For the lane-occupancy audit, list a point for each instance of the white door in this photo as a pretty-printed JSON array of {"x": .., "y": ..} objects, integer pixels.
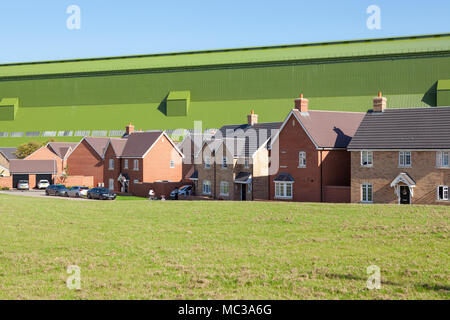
[{"x": 111, "y": 184}]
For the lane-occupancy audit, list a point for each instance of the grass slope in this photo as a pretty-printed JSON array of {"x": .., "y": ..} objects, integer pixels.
[{"x": 186, "y": 250}]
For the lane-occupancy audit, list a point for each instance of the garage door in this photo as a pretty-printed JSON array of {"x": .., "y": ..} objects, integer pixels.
[
  {"x": 18, "y": 177},
  {"x": 40, "y": 177}
]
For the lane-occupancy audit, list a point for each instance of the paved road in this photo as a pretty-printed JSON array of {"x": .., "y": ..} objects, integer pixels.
[{"x": 37, "y": 193}]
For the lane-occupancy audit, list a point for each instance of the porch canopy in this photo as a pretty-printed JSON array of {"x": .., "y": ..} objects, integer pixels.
[
  {"x": 243, "y": 178},
  {"x": 284, "y": 177},
  {"x": 405, "y": 179}
]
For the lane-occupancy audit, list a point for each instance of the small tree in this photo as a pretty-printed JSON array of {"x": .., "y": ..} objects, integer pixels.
[{"x": 24, "y": 150}]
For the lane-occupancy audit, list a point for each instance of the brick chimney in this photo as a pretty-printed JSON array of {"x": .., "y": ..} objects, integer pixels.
[
  {"x": 379, "y": 103},
  {"x": 129, "y": 129},
  {"x": 252, "y": 118},
  {"x": 301, "y": 104}
]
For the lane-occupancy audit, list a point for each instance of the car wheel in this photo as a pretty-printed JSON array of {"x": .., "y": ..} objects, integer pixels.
[
  {"x": 77, "y": 195},
  {"x": 46, "y": 193},
  {"x": 89, "y": 196}
]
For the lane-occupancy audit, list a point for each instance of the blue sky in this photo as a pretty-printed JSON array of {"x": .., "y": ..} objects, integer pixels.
[{"x": 33, "y": 30}]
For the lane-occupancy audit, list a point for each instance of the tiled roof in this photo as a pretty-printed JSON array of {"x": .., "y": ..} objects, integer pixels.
[
  {"x": 61, "y": 148},
  {"x": 417, "y": 128},
  {"x": 243, "y": 177},
  {"x": 284, "y": 177},
  {"x": 139, "y": 143},
  {"x": 33, "y": 166},
  {"x": 8, "y": 153},
  {"x": 99, "y": 144},
  {"x": 246, "y": 139},
  {"x": 118, "y": 145},
  {"x": 330, "y": 129}
]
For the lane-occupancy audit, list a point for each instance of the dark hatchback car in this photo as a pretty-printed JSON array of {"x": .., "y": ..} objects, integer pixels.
[
  {"x": 101, "y": 194},
  {"x": 57, "y": 190}
]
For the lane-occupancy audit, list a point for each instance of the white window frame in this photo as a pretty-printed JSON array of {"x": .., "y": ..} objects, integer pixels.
[
  {"x": 281, "y": 189},
  {"x": 111, "y": 184},
  {"x": 125, "y": 164},
  {"x": 365, "y": 156},
  {"x": 136, "y": 165},
  {"x": 246, "y": 163},
  {"x": 443, "y": 159},
  {"x": 135, "y": 181},
  {"x": 444, "y": 193},
  {"x": 302, "y": 159},
  {"x": 207, "y": 163},
  {"x": 224, "y": 188},
  {"x": 111, "y": 164},
  {"x": 224, "y": 163},
  {"x": 206, "y": 183},
  {"x": 172, "y": 164},
  {"x": 402, "y": 156},
  {"x": 368, "y": 186}
]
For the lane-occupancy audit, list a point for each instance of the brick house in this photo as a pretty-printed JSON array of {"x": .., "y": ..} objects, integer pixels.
[
  {"x": 32, "y": 171},
  {"x": 6, "y": 155},
  {"x": 234, "y": 165},
  {"x": 87, "y": 159},
  {"x": 309, "y": 158},
  {"x": 401, "y": 156},
  {"x": 58, "y": 151},
  {"x": 144, "y": 157}
]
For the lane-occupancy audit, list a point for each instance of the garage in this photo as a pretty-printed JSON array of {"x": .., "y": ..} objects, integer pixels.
[{"x": 18, "y": 177}]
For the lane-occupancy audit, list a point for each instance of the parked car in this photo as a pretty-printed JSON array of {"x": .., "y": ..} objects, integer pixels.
[
  {"x": 43, "y": 184},
  {"x": 23, "y": 185},
  {"x": 101, "y": 194},
  {"x": 182, "y": 191},
  {"x": 77, "y": 192},
  {"x": 57, "y": 190}
]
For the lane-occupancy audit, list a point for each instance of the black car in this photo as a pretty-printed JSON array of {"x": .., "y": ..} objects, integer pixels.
[
  {"x": 101, "y": 194},
  {"x": 57, "y": 190}
]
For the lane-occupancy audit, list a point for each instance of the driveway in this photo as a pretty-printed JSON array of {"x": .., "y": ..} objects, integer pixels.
[{"x": 37, "y": 193}]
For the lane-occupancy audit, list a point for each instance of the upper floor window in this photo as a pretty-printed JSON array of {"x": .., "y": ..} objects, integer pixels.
[
  {"x": 366, "y": 192},
  {"x": 404, "y": 159},
  {"x": 442, "y": 158},
  {"x": 246, "y": 163},
  {"x": 224, "y": 188},
  {"x": 442, "y": 193},
  {"x": 207, "y": 163},
  {"x": 111, "y": 164},
  {"x": 136, "y": 165},
  {"x": 224, "y": 163},
  {"x": 366, "y": 158},
  {"x": 302, "y": 159},
  {"x": 172, "y": 164},
  {"x": 206, "y": 187},
  {"x": 125, "y": 164}
]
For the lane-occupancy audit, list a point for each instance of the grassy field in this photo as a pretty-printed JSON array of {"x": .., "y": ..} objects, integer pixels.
[{"x": 221, "y": 250}]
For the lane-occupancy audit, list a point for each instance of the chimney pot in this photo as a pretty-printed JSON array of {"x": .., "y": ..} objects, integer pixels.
[
  {"x": 379, "y": 103},
  {"x": 301, "y": 104},
  {"x": 252, "y": 118}
]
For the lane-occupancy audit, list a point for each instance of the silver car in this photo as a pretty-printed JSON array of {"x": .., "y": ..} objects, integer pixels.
[
  {"x": 78, "y": 192},
  {"x": 23, "y": 185}
]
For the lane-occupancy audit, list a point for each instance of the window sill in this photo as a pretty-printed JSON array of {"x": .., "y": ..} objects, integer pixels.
[
  {"x": 443, "y": 168},
  {"x": 224, "y": 195},
  {"x": 371, "y": 166},
  {"x": 366, "y": 202},
  {"x": 283, "y": 198},
  {"x": 404, "y": 167},
  {"x": 301, "y": 167}
]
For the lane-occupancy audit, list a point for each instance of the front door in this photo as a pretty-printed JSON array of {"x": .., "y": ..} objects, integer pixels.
[
  {"x": 243, "y": 192},
  {"x": 404, "y": 195}
]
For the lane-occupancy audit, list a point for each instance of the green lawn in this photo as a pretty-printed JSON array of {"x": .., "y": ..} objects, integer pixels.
[{"x": 221, "y": 250}]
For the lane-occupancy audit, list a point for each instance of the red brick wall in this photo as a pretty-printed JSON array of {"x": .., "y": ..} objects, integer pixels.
[
  {"x": 84, "y": 161},
  {"x": 335, "y": 169},
  {"x": 157, "y": 163},
  {"x": 6, "y": 182},
  {"x": 291, "y": 140},
  {"x": 336, "y": 194},
  {"x": 72, "y": 181},
  {"x": 111, "y": 174}
]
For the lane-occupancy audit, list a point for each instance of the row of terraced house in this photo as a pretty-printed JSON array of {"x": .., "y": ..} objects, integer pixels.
[{"x": 382, "y": 156}]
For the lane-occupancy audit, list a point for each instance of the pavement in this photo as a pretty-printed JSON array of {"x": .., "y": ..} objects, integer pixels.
[{"x": 37, "y": 193}]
